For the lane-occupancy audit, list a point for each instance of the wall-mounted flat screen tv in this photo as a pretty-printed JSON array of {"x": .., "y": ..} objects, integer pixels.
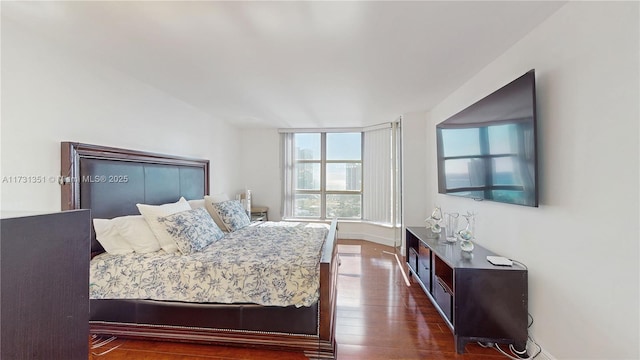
[{"x": 488, "y": 150}]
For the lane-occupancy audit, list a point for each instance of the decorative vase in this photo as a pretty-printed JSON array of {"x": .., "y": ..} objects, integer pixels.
[
  {"x": 433, "y": 222},
  {"x": 466, "y": 245},
  {"x": 451, "y": 226},
  {"x": 467, "y": 234},
  {"x": 436, "y": 214}
]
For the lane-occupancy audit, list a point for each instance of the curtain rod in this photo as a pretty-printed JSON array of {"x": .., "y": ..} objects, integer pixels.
[{"x": 350, "y": 129}]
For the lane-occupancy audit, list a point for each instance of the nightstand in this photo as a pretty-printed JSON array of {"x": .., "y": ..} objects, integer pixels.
[{"x": 259, "y": 213}]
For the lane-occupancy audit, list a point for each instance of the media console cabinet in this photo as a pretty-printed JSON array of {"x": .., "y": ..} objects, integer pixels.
[{"x": 479, "y": 301}]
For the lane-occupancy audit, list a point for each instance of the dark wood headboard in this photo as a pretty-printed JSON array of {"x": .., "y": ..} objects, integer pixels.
[{"x": 111, "y": 181}]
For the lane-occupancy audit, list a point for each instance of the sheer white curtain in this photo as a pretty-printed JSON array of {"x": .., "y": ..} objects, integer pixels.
[
  {"x": 378, "y": 175},
  {"x": 286, "y": 167}
]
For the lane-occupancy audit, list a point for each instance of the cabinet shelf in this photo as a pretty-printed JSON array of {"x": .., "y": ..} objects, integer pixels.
[
  {"x": 445, "y": 273},
  {"x": 478, "y": 301},
  {"x": 445, "y": 286}
]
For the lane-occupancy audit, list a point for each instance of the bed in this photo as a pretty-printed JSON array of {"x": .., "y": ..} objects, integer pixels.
[{"x": 111, "y": 181}]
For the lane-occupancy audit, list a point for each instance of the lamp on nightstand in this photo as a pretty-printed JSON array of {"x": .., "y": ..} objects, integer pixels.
[
  {"x": 256, "y": 213},
  {"x": 245, "y": 199}
]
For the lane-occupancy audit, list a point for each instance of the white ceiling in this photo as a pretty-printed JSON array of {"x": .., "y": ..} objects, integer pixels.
[{"x": 291, "y": 64}]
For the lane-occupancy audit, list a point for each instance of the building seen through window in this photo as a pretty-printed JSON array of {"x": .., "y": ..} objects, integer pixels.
[{"x": 328, "y": 175}]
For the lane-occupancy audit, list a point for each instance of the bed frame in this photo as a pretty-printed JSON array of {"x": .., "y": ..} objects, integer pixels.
[{"x": 110, "y": 181}]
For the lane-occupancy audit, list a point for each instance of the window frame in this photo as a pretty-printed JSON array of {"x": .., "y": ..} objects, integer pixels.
[{"x": 323, "y": 192}]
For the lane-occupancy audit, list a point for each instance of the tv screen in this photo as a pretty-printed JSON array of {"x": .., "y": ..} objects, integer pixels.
[{"x": 488, "y": 150}]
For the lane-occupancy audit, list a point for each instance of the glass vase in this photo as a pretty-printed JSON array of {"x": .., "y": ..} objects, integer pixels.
[{"x": 468, "y": 233}]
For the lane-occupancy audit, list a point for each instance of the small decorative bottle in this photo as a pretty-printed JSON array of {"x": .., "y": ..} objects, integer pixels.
[
  {"x": 433, "y": 221},
  {"x": 466, "y": 234}
]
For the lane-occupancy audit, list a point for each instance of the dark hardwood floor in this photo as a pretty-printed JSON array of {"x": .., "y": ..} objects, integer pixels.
[{"x": 379, "y": 317}]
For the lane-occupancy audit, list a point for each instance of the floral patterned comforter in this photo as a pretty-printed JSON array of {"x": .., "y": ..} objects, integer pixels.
[{"x": 266, "y": 263}]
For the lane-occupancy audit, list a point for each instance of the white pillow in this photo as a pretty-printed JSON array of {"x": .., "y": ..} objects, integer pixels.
[
  {"x": 209, "y": 200},
  {"x": 217, "y": 198},
  {"x": 135, "y": 230},
  {"x": 151, "y": 213},
  {"x": 109, "y": 237},
  {"x": 196, "y": 204}
]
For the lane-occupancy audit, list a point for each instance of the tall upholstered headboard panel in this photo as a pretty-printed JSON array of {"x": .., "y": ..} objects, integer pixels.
[{"x": 111, "y": 181}]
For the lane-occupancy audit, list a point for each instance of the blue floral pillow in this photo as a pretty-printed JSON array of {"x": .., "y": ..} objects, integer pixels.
[
  {"x": 232, "y": 214},
  {"x": 192, "y": 230}
]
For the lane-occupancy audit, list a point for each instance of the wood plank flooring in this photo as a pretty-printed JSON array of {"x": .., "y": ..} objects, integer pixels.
[{"x": 378, "y": 318}]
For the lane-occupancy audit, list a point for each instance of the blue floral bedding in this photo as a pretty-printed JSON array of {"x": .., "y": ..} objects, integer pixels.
[{"x": 266, "y": 263}]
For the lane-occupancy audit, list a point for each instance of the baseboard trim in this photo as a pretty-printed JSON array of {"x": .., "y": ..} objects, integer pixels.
[
  {"x": 368, "y": 237},
  {"x": 533, "y": 348}
]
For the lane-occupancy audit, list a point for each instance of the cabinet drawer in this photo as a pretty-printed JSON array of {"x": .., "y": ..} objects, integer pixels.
[
  {"x": 424, "y": 265},
  {"x": 413, "y": 260},
  {"x": 424, "y": 272},
  {"x": 443, "y": 297}
]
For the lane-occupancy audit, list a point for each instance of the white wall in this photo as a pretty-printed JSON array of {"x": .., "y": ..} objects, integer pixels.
[
  {"x": 260, "y": 168},
  {"x": 414, "y": 169},
  {"x": 581, "y": 244},
  {"x": 50, "y": 94}
]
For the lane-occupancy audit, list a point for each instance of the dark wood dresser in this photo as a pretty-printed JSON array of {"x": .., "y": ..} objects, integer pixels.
[
  {"x": 44, "y": 279},
  {"x": 478, "y": 301}
]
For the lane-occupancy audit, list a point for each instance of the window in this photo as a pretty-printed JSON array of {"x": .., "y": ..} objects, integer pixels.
[
  {"x": 327, "y": 175},
  {"x": 352, "y": 174}
]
